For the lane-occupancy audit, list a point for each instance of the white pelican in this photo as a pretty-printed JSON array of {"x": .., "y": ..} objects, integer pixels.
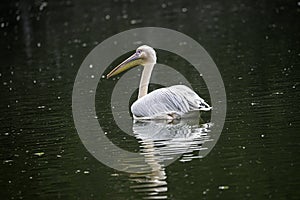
[{"x": 165, "y": 103}]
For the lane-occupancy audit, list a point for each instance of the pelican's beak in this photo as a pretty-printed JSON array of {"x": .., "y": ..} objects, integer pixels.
[{"x": 130, "y": 62}]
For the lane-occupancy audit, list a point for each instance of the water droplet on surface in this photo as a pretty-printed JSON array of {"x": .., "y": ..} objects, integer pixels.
[
  {"x": 43, "y": 5},
  {"x": 184, "y": 10},
  {"x": 182, "y": 43},
  {"x": 223, "y": 187},
  {"x": 135, "y": 21},
  {"x": 39, "y": 153},
  {"x": 115, "y": 174}
]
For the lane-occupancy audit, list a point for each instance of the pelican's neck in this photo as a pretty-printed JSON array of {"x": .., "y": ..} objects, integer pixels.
[{"x": 146, "y": 75}]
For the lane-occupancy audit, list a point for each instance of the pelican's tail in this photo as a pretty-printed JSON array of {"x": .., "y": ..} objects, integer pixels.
[{"x": 203, "y": 106}]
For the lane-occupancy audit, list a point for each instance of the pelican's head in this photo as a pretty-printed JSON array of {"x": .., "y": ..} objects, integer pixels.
[{"x": 144, "y": 55}]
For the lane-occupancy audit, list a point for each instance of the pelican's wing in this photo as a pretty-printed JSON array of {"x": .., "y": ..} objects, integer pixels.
[{"x": 178, "y": 99}]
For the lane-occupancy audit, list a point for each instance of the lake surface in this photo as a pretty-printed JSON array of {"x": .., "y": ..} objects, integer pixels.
[{"x": 256, "y": 47}]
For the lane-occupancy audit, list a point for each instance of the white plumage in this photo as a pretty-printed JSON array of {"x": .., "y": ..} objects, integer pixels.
[
  {"x": 165, "y": 103},
  {"x": 168, "y": 102}
]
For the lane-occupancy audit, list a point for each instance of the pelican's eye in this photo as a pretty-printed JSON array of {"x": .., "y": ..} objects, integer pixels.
[{"x": 139, "y": 51}]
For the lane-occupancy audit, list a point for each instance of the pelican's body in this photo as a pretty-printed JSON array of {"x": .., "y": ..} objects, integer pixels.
[
  {"x": 165, "y": 103},
  {"x": 168, "y": 102}
]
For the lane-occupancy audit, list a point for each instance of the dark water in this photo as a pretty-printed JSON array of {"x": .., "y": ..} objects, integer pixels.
[{"x": 256, "y": 47}]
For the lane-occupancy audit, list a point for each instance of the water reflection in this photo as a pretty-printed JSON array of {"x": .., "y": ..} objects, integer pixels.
[{"x": 163, "y": 142}]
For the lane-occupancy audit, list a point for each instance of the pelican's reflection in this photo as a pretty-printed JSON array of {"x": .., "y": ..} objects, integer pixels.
[{"x": 161, "y": 143}]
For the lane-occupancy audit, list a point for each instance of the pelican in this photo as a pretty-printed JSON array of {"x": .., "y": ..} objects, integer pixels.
[{"x": 164, "y": 103}]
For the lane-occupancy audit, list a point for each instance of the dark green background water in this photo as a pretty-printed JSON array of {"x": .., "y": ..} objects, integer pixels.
[{"x": 255, "y": 44}]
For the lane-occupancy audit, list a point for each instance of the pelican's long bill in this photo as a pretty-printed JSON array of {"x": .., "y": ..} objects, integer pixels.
[{"x": 130, "y": 62}]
